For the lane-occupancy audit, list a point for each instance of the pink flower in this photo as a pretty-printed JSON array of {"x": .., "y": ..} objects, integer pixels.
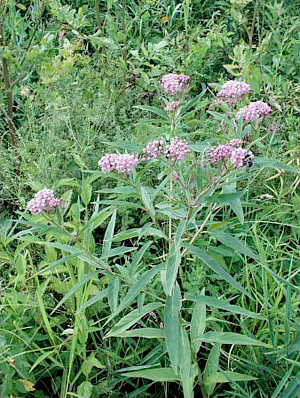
[
  {"x": 218, "y": 153},
  {"x": 120, "y": 163},
  {"x": 125, "y": 162},
  {"x": 108, "y": 162},
  {"x": 173, "y": 83},
  {"x": 240, "y": 157},
  {"x": 254, "y": 111},
  {"x": 43, "y": 200},
  {"x": 173, "y": 105},
  {"x": 234, "y": 89},
  {"x": 177, "y": 149},
  {"x": 153, "y": 149},
  {"x": 235, "y": 143}
]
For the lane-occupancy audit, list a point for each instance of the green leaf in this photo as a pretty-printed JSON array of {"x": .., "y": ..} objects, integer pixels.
[
  {"x": 211, "y": 367},
  {"x": 292, "y": 389},
  {"x": 89, "y": 363},
  {"x": 198, "y": 325},
  {"x": 146, "y": 333},
  {"x": 112, "y": 293},
  {"x": 157, "y": 111},
  {"x": 230, "y": 338},
  {"x": 283, "y": 382},
  {"x": 109, "y": 233},
  {"x": 85, "y": 389},
  {"x": 124, "y": 145},
  {"x": 227, "y": 377},
  {"x": 85, "y": 279},
  {"x": 120, "y": 191},
  {"x": 185, "y": 365},
  {"x": 138, "y": 257},
  {"x": 118, "y": 251},
  {"x": 132, "y": 318},
  {"x": 274, "y": 164},
  {"x": 174, "y": 260},
  {"x": 99, "y": 296},
  {"x": 157, "y": 374},
  {"x": 232, "y": 242},
  {"x": 138, "y": 232},
  {"x": 218, "y": 303},
  {"x": 224, "y": 198},
  {"x": 81, "y": 254},
  {"x": 172, "y": 326},
  {"x": 66, "y": 182},
  {"x": 147, "y": 201},
  {"x": 42, "y": 357},
  {"x": 98, "y": 218},
  {"x": 221, "y": 117},
  {"x": 212, "y": 263},
  {"x": 235, "y": 203},
  {"x": 136, "y": 289},
  {"x": 86, "y": 192}
]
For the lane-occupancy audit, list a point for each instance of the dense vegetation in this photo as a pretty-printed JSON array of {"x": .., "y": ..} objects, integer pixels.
[{"x": 169, "y": 269}]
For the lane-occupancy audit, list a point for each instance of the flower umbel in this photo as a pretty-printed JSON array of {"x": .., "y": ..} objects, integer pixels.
[
  {"x": 125, "y": 162},
  {"x": 236, "y": 142},
  {"x": 43, "y": 200},
  {"x": 234, "y": 89},
  {"x": 153, "y": 149},
  {"x": 172, "y": 106},
  {"x": 240, "y": 157},
  {"x": 177, "y": 149},
  {"x": 173, "y": 83},
  {"x": 121, "y": 163},
  {"x": 254, "y": 111},
  {"x": 218, "y": 153},
  {"x": 108, "y": 162}
]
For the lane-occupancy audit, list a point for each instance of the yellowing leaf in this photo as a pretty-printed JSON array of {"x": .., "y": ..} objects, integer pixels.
[
  {"x": 164, "y": 19},
  {"x": 232, "y": 69},
  {"x": 28, "y": 385},
  {"x": 21, "y": 6}
]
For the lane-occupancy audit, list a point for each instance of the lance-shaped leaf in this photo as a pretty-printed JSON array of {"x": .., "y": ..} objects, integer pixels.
[
  {"x": 172, "y": 326},
  {"x": 227, "y": 377},
  {"x": 234, "y": 243},
  {"x": 146, "y": 333},
  {"x": 230, "y": 338},
  {"x": 132, "y": 318},
  {"x": 211, "y": 367},
  {"x": 198, "y": 325},
  {"x": 214, "y": 265},
  {"x": 157, "y": 374},
  {"x": 185, "y": 365},
  {"x": 224, "y": 305},
  {"x": 174, "y": 260},
  {"x": 136, "y": 289},
  {"x": 109, "y": 233}
]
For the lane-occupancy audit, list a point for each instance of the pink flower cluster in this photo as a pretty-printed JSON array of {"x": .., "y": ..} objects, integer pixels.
[
  {"x": 232, "y": 151},
  {"x": 121, "y": 163},
  {"x": 43, "y": 200},
  {"x": 177, "y": 149},
  {"x": 236, "y": 142},
  {"x": 172, "y": 106},
  {"x": 173, "y": 83},
  {"x": 153, "y": 149},
  {"x": 234, "y": 89},
  {"x": 254, "y": 111},
  {"x": 218, "y": 153},
  {"x": 239, "y": 157}
]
